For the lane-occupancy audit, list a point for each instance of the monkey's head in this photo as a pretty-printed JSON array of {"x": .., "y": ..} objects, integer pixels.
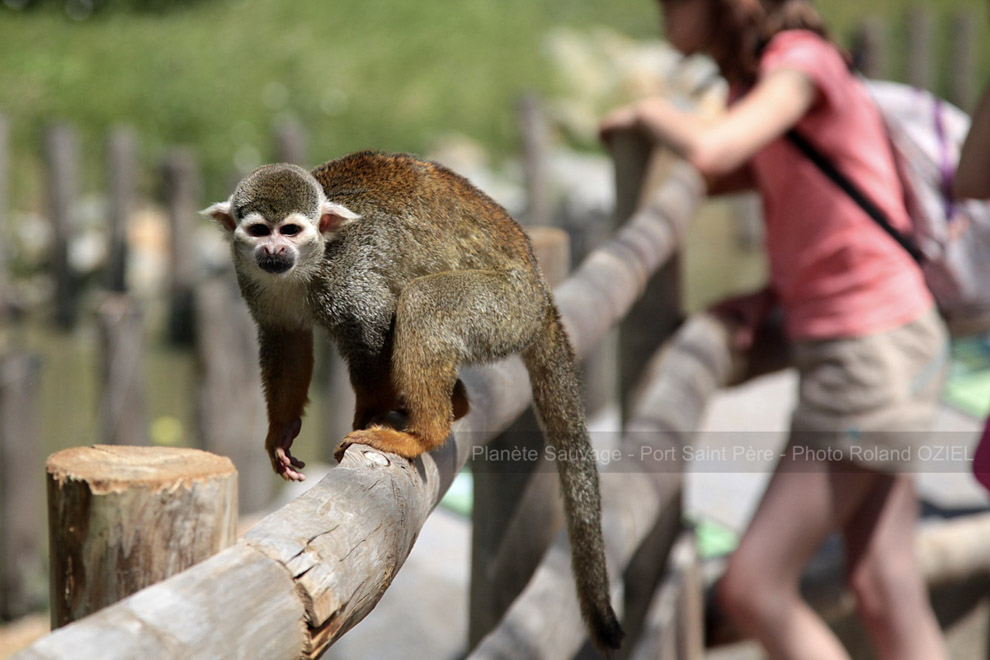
[{"x": 278, "y": 220}]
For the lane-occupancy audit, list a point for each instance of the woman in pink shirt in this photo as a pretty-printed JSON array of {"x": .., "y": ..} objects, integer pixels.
[{"x": 869, "y": 347}]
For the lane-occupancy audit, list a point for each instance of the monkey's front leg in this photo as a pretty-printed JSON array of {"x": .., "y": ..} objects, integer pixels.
[{"x": 286, "y": 370}]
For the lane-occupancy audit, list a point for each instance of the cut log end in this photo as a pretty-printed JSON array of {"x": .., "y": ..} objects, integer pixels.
[{"x": 109, "y": 468}]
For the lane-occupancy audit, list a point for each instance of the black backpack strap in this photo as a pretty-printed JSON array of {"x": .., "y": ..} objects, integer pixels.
[{"x": 854, "y": 192}]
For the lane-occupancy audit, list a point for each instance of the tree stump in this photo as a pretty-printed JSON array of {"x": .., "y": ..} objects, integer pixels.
[{"x": 122, "y": 518}]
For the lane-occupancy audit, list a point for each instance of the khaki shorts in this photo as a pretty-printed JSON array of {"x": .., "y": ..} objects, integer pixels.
[{"x": 870, "y": 400}]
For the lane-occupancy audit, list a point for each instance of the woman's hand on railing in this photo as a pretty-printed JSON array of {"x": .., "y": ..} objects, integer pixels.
[{"x": 747, "y": 312}]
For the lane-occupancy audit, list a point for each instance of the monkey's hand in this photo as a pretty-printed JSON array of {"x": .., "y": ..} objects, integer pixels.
[
  {"x": 383, "y": 439},
  {"x": 279, "y": 440}
]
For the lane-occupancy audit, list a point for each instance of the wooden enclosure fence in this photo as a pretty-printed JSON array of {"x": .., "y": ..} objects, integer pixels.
[
  {"x": 303, "y": 576},
  {"x": 306, "y": 574}
]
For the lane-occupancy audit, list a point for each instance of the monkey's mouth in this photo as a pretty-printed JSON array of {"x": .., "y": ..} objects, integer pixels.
[{"x": 274, "y": 264}]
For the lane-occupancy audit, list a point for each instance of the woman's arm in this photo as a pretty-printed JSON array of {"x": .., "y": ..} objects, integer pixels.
[
  {"x": 719, "y": 146},
  {"x": 972, "y": 180}
]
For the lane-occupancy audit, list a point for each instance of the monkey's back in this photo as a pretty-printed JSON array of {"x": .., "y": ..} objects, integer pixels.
[{"x": 422, "y": 212}]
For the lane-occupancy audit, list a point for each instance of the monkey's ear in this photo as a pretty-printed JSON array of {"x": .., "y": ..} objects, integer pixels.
[
  {"x": 334, "y": 216},
  {"x": 220, "y": 212}
]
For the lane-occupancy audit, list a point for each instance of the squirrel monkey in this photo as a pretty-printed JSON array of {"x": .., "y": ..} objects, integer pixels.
[{"x": 412, "y": 271}]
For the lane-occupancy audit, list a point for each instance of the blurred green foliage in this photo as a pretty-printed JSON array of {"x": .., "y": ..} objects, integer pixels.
[{"x": 218, "y": 74}]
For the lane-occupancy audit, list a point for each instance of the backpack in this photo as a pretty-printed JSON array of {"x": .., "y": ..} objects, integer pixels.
[
  {"x": 949, "y": 238},
  {"x": 953, "y": 235}
]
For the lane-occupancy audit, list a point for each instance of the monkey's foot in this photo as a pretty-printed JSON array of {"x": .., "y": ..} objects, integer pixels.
[{"x": 382, "y": 439}]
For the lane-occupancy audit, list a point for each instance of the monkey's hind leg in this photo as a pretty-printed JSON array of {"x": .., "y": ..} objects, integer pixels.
[
  {"x": 448, "y": 319},
  {"x": 375, "y": 401},
  {"x": 442, "y": 321}
]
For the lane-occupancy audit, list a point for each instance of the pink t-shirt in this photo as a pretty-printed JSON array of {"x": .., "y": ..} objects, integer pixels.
[{"x": 838, "y": 274}]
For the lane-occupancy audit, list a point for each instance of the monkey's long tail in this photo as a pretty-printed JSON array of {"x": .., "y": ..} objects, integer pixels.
[{"x": 558, "y": 403}]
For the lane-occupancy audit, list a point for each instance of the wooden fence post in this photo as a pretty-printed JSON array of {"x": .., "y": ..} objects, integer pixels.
[
  {"x": 673, "y": 627},
  {"x": 290, "y": 142},
  {"x": 61, "y": 151},
  {"x": 870, "y": 51},
  {"x": 658, "y": 311},
  {"x": 182, "y": 193},
  {"x": 123, "y": 420},
  {"x": 961, "y": 64},
  {"x": 516, "y": 509},
  {"x": 122, "y": 172},
  {"x": 21, "y": 506},
  {"x": 600, "y": 375},
  {"x": 6, "y": 296},
  {"x": 920, "y": 35},
  {"x": 536, "y": 147},
  {"x": 230, "y": 408},
  {"x": 123, "y": 518}
]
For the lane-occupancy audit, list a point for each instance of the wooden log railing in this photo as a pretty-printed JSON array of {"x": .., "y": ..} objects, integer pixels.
[{"x": 306, "y": 574}]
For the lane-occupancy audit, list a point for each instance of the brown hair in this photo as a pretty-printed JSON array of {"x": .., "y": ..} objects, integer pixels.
[{"x": 742, "y": 28}]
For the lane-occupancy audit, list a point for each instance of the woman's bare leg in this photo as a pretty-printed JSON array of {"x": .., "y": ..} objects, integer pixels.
[
  {"x": 884, "y": 574},
  {"x": 804, "y": 502}
]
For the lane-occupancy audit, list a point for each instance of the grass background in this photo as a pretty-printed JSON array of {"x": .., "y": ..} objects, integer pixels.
[{"x": 216, "y": 74}]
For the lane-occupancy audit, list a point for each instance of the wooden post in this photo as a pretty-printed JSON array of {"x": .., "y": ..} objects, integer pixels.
[
  {"x": 290, "y": 142},
  {"x": 21, "y": 506},
  {"x": 536, "y": 145},
  {"x": 870, "y": 49},
  {"x": 748, "y": 228},
  {"x": 675, "y": 621},
  {"x": 516, "y": 504},
  {"x": 230, "y": 407},
  {"x": 961, "y": 64},
  {"x": 920, "y": 34},
  {"x": 123, "y": 518},
  {"x": 600, "y": 375},
  {"x": 123, "y": 419},
  {"x": 658, "y": 311},
  {"x": 122, "y": 178},
  {"x": 6, "y": 296},
  {"x": 182, "y": 192},
  {"x": 62, "y": 157}
]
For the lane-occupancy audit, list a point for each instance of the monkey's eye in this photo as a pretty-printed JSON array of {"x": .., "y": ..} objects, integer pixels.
[
  {"x": 290, "y": 229},
  {"x": 258, "y": 230}
]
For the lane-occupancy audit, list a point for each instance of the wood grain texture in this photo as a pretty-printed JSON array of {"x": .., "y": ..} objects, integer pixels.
[
  {"x": 121, "y": 518},
  {"x": 237, "y": 604}
]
